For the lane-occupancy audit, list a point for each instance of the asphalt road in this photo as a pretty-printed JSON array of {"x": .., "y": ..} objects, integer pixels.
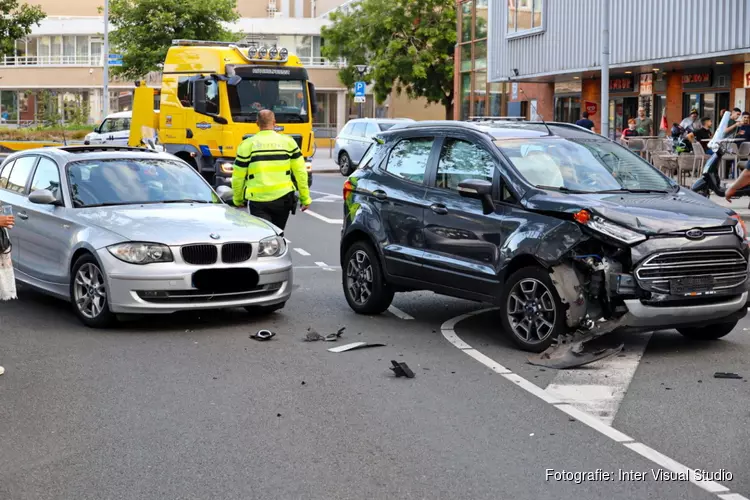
[{"x": 190, "y": 407}]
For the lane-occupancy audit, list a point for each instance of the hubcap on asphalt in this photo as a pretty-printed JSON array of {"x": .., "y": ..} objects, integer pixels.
[
  {"x": 531, "y": 311},
  {"x": 359, "y": 277},
  {"x": 88, "y": 291}
]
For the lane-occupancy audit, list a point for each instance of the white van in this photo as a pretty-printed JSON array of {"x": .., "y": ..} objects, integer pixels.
[{"x": 115, "y": 130}]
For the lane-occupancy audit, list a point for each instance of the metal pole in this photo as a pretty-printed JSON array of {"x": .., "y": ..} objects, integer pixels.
[
  {"x": 105, "y": 87},
  {"x": 605, "y": 68}
]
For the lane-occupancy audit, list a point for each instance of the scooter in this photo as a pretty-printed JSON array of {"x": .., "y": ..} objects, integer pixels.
[{"x": 710, "y": 182}]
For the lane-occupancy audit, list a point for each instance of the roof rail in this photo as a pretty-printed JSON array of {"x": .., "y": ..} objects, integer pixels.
[
  {"x": 104, "y": 147},
  {"x": 207, "y": 43},
  {"x": 497, "y": 118}
]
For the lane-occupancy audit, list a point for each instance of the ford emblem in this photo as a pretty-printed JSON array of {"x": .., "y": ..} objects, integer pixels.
[
  {"x": 215, "y": 236},
  {"x": 694, "y": 234}
]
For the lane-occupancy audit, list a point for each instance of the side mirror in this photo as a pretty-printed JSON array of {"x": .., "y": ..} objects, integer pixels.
[
  {"x": 43, "y": 197},
  {"x": 225, "y": 193},
  {"x": 313, "y": 97},
  {"x": 234, "y": 80},
  {"x": 478, "y": 189}
]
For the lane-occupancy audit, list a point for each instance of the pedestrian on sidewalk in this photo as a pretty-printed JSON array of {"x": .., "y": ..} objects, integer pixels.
[
  {"x": 644, "y": 124},
  {"x": 585, "y": 122},
  {"x": 265, "y": 171},
  {"x": 7, "y": 278}
]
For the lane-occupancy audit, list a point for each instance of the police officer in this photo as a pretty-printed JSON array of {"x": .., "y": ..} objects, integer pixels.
[{"x": 263, "y": 170}]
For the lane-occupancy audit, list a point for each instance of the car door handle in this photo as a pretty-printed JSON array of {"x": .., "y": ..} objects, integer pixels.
[
  {"x": 23, "y": 215},
  {"x": 439, "y": 209},
  {"x": 379, "y": 194}
]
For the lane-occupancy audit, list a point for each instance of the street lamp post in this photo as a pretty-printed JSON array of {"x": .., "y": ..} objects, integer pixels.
[
  {"x": 361, "y": 69},
  {"x": 105, "y": 86}
]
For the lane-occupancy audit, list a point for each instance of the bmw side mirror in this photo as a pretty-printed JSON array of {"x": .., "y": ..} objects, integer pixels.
[
  {"x": 43, "y": 197},
  {"x": 479, "y": 189},
  {"x": 225, "y": 193}
]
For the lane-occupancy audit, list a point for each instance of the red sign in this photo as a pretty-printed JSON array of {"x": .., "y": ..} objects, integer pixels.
[
  {"x": 697, "y": 78},
  {"x": 747, "y": 79},
  {"x": 590, "y": 107},
  {"x": 621, "y": 84}
]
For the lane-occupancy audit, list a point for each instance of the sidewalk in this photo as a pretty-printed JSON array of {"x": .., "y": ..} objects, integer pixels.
[
  {"x": 322, "y": 164},
  {"x": 739, "y": 205}
]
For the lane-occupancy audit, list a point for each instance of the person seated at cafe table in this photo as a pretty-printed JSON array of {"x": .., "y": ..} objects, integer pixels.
[
  {"x": 630, "y": 131},
  {"x": 703, "y": 134}
]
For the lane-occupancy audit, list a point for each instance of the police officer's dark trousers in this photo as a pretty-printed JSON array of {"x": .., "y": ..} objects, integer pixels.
[{"x": 276, "y": 212}]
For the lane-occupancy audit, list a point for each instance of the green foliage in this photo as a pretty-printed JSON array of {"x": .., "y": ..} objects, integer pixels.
[
  {"x": 407, "y": 44},
  {"x": 16, "y": 22},
  {"x": 145, "y": 29},
  {"x": 76, "y": 110},
  {"x": 47, "y": 109}
]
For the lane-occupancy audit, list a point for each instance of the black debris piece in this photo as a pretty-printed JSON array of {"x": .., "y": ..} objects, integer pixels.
[
  {"x": 263, "y": 335},
  {"x": 278, "y": 414},
  {"x": 668, "y": 388},
  {"x": 303, "y": 382},
  {"x": 313, "y": 336},
  {"x": 700, "y": 381},
  {"x": 727, "y": 375},
  {"x": 571, "y": 419},
  {"x": 216, "y": 378},
  {"x": 401, "y": 369},
  {"x": 453, "y": 372}
]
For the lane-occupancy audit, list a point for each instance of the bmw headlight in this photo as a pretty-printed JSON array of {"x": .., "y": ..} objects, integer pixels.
[
  {"x": 141, "y": 253},
  {"x": 603, "y": 226},
  {"x": 273, "y": 246}
]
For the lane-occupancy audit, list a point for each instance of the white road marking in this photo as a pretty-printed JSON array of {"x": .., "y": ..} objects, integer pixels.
[
  {"x": 331, "y": 198},
  {"x": 324, "y": 266},
  {"x": 324, "y": 219},
  {"x": 301, "y": 252},
  {"x": 599, "y": 389},
  {"x": 399, "y": 313},
  {"x": 448, "y": 331},
  {"x": 318, "y": 268}
]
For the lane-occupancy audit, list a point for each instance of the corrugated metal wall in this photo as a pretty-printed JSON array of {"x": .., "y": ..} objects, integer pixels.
[{"x": 640, "y": 31}]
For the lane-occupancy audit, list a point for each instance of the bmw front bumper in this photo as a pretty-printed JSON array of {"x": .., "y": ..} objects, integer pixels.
[{"x": 170, "y": 287}]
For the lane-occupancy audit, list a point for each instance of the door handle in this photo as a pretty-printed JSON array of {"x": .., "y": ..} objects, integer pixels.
[
  {"x": 439, "y": 209},
  {"x": 23, "y": 215},
  {"x": 379, "y": 194}
]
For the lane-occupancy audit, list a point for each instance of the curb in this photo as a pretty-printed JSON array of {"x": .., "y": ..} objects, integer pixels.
[{"x": 326, "y": 171}]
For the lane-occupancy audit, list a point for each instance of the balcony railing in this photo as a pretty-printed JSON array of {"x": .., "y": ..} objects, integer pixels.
[{"x": 51, "y": 61}]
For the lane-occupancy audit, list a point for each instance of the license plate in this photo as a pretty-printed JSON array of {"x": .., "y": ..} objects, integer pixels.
[{"x": 693, "y": 284}]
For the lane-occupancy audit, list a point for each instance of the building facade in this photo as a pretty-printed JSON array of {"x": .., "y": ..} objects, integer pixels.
[
  {"x": 668, "y": 57},
  {"x": 60, "y": 65}
]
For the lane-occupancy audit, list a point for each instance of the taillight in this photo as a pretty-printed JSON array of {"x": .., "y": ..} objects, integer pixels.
[{"x": 348, "y": 188}]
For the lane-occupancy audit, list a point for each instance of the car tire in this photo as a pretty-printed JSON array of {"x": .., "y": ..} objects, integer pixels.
[
  {"x": 88, "y": 293},
  {"x": 362, "y": 275},
  {"x": 263, "y": 310},
  {"x": 536, "y": 327},
  {"x": 710, "y": 332},
  {"x": 345, "y": 164}
]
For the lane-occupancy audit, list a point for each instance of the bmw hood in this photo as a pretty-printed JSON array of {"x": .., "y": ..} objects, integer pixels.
[
  {"x": 178, "y": 224},
  {"x": 647, "y": 213}
]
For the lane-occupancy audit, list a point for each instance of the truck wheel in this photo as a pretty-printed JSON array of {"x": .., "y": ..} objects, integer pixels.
[
  {"x": 710, "y": 332},
  {"x": 533, "y": 314}
]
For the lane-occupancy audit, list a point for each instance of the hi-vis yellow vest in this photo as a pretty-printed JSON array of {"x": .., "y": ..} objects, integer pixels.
[{"x": 263, "y": 168}]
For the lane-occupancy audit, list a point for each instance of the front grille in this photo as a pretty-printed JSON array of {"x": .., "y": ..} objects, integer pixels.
[
  {"x": 202, "y": 297},
  {"x": 726, "y": 267},
  {"x": 200, "y": 255},
  {"x": 708, "y": 231},
  {"x": 233, "y": 253}
]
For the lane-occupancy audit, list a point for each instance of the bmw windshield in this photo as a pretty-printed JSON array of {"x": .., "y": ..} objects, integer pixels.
[
  {"x": 582, "y": 165},
  {"x": 135, "y": 181}
]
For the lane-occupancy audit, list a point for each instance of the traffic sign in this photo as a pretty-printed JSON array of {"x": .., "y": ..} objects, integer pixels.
[
  {"x": 359, "y": 99},
  {"x": 114, "y": 60},
  {"x": 359, "y": 89}
]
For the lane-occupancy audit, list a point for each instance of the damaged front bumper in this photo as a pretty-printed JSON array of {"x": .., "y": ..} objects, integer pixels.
[{"x": 651, "y": 317}]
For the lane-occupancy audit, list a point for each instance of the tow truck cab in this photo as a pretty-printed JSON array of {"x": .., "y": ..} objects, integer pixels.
[{"x": 211, "y": 93}]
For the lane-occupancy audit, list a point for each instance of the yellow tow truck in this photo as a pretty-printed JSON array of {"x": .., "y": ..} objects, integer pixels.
[{"x": 211, "y": 94}]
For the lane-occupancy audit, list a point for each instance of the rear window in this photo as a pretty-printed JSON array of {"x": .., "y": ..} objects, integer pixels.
[
  {"x": 385, "y": 126},
  {"x": 359, "y": 130}
]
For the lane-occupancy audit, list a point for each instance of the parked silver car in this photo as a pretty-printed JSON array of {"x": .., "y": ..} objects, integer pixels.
[
  {"x": 356, "y": 137},
  {"x": 123, "y": 230}
]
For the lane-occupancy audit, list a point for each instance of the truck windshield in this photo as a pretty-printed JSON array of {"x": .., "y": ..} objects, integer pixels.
[{"x": 286, "y": 98}]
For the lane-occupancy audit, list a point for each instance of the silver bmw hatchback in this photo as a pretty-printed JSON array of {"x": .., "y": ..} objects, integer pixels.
[{"x": 134, "y": 231}]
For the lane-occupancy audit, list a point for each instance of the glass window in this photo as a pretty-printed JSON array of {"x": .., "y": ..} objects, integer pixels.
[
  {"x": 185, "y": 92},
  {"x": 4, "y": 174},
  {"x": 56, "y": 48},
  {"x": 588, "y": 165},
  {"x": 524, "y": 15},
  {"x": 286, "y": 98},
  {"x": 31, "y": 47},
  {"x": 482, "y": 15},
  {"x": 347, "y": 130},
  {"x": 82, "y": 49},
  {"x": 408, "y": 159},
  {"x": 21, "y": 48},
  {"x": 44, "y": 48},
  {"x": 359, "y": 129},
  {"x": 136, "y": 181},
  {"x": 466, "y": 57},
  {"x": 466, "y": 8},
  {"x": 372, "y": 130},
  {"x": 480, "y": 94},
  {"x": 69, "y": 48},
  {"x": 460, "y": 161},
  {"x": 96, "y": 52},
  {"x": 496, "y": 91},
  {"x": 19, "y": 176},
  {"x": 47, "y": 176},
  {"x": 212, "y": 97},
  {"x": 465, "y": 95},
  {"x": 480, "y": 55}
]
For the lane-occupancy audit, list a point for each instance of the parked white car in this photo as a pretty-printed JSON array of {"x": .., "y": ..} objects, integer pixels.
[{"x": 114, "y": 130}]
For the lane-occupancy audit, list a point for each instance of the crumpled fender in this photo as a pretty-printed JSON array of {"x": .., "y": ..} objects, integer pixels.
[{"x": 555, "y": 243}]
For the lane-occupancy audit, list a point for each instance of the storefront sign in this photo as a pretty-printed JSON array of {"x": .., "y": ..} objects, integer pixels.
[
  {"x": 514, "y": 91},
  {"x": 697, "y": 80},
  {"x": 747, "y": 75},
  {"x": 647, "y": 84},
  {"x": 624, "y": 84},
  {"x": 590, "y": 107}
]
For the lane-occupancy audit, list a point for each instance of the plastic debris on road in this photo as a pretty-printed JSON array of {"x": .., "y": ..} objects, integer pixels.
[
  {"x": 727, "y": 375},
  {"x": 313, "y": 336},
  {"x": 354, "y": 345},
  {"x": 263, "y": 335},
  {"x": 401, "y": 369}
]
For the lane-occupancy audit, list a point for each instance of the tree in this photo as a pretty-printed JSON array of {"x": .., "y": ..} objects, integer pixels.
[
  {"x": 144, "y": 29},
  {"x": 407, "y": 45},
  {"x": 16, "y": 22}
]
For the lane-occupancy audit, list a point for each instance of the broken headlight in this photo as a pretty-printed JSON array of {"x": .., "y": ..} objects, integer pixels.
[
  {"x": 739, "y": 228},
  {"x": 607, "y": 228}
]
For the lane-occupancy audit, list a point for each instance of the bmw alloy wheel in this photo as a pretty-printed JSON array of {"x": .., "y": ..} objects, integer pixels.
[
  {"x": 531, "y": 311},
  {"x": 89, "y": 292},
  {"x": 359, "y": 277}
]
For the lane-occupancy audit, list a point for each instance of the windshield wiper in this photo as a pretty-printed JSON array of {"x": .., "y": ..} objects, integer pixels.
[
  {"x": 564, "y": 189},
  {"x": 626, "y": 190},
  {"x": 187, "y": 200}
]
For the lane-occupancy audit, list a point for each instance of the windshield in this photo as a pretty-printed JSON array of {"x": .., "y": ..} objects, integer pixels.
[
  {"x": 587, "y": 165},
  {"x": 132, "y": 181},
  {"x": 286, "y": 98}
]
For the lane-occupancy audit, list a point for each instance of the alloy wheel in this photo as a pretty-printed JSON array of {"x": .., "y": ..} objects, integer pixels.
[
  {"x": 345, "y": 164},
  {"x": 89, "y": 292},
  {"x": 359, "y": 277},
  {"x": 531, "y": 310}
]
